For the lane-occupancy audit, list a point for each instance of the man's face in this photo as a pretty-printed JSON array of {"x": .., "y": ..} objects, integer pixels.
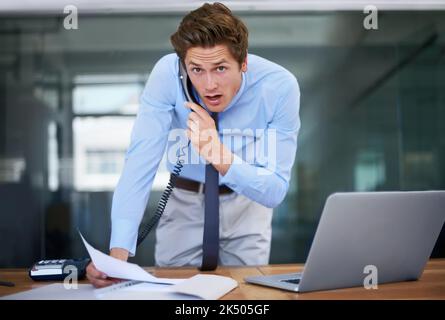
[{"x": 215, "y": 74}]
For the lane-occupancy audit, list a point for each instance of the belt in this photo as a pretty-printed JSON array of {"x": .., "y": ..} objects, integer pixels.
[{"x": 195, "y": 186}]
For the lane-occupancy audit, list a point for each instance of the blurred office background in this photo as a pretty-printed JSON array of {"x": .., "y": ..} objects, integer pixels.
[{"x": 372, "y": 111}]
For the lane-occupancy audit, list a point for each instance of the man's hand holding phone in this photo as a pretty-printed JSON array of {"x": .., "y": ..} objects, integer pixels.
[{"x": 205, "y": 140}]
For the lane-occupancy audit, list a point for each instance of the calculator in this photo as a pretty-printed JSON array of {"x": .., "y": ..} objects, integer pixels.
[{"x": 56, "y": 270}]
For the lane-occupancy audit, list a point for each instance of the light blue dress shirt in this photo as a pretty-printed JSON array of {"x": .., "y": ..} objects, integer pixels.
[{"x": 260, "y": 126}]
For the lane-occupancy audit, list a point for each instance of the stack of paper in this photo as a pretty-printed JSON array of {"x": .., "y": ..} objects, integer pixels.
[{"x": 146, "y": 286}]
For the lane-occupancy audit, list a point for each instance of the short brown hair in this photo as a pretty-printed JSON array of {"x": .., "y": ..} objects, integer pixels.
[{"x": 210, "y": 25}]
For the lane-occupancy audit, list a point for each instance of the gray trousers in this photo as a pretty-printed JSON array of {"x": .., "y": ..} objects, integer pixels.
[{"x": 245, "y": 231}]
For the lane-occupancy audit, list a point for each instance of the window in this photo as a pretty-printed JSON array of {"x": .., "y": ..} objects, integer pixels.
[{"x": 105, "y": 108}]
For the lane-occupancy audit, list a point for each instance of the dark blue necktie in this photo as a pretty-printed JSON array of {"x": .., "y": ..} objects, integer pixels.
[{"x": 210, "y": 244}]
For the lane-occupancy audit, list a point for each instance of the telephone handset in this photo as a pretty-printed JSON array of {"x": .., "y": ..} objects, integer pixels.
[
  {"x": 187, "y": 86},
  {"x": 187, "y": 89}
]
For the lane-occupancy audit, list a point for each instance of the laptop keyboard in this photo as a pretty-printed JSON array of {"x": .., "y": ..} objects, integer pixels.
[{"x": 293, "y": 281}]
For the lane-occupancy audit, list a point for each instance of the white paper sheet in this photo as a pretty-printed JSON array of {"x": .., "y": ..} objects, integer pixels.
[
  {"x": 201, "y": 286},
  {"x": 205, "y": 286},
  {"x": 116, "y": 268},
  {"x": 55, "y": 291}
]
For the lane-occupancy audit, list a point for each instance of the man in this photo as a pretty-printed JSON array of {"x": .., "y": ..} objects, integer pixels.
[{"x": 255, "y": 100}]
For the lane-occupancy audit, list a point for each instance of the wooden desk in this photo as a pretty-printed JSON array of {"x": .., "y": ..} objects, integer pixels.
[{"x": 430, "y": 286}]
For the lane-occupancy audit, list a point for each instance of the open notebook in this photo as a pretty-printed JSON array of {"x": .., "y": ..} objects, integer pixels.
[{"x": 201, "y": 286}]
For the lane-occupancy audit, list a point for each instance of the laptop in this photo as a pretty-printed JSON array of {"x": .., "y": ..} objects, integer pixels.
[{"x": 389, "y": 233}]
